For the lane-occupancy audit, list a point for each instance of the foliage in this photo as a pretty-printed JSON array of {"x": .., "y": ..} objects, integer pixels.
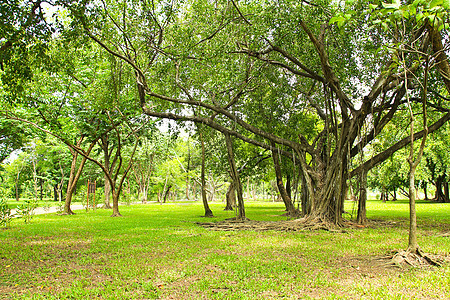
[
  {"x": 26, "y": 210},
  {"x": 5, "y": 211}
]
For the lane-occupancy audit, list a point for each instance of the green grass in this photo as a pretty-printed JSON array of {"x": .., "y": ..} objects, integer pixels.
[
  {"x": 46, "y": 202},
  {"x": 158, "y": 252}
]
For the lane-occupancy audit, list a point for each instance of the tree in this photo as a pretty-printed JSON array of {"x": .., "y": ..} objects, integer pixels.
[{"x": 322, "y": 70}]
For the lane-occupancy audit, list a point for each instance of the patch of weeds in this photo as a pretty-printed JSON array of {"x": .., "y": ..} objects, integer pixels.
[
  {"x": 5, "y": 213},
  {"x": 26, "y": 210}
]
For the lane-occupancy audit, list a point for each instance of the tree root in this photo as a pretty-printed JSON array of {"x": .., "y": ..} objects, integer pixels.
[
  {"x": 294, "y": 225},
  {"x": 415, "y": 259},
  {"x": 69, "y": 213},
  {"x": 115, "y": 215}
]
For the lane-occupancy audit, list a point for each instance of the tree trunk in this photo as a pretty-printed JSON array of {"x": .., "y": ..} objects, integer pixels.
[
  {"x": 439, "y": 197},
  {"x": 115, "y": 195},
  {"x": 107, "y": 192},
  {"x": 290, "y": 208},
  {"x": 230, "y": 197},
  {"x": 304, "y": 198},
  {"x": 446, "y": 192},
  {"x": 72, "y": 182},
  {"x": 425, "y": 190},
  {"x": 362, "y": 218},
  {"x": 55, "y": 192},
  {"x": 166, "y": 193},
  {"x": 412, "y": 243},
  {"x": 73, "y": 177},
  {"x": 208, "y": 211},
  {"x": 235, "y": 176},
  {"x": 288, "y": 186},
  {"x": 41, "y": 189}
]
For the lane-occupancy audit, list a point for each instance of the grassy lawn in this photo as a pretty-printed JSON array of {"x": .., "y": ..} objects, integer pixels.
[{"x": 158, "y": 252}]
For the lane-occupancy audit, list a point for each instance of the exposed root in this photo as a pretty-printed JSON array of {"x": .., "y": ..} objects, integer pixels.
[
  {"x": 294, "y": 225},
  {"x": 115, "y": 215},
  {"x": 446, "y": 234},
  {"x": 415, "y": 259},
  {"x": 68, "y": 213}
]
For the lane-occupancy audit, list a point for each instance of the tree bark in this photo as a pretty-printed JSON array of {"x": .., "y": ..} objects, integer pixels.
[
  {"x": 304, "y": 198},
  {"x": 290, "y": 208},
  {"x": 440, "y": 196},
  {"x": 446, "y": 192},
  {"x": 230, "y": 197},
  {"x": 236, "y": 180},
  {"x": 361, "y": 217},
  {"x": 166, "y": 193},
  {"x": 425, "y": 192},
  {"x": 208, "y": 211}
]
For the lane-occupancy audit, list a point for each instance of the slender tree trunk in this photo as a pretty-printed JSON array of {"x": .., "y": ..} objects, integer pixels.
[
  {"x": 413, "y": 246},
  {"x": 288, "y": 186},
  {"x": 362, "y": 218},
  {"x": 72, "y": 182},
  {"x": 290, "y": 208},
  {"x": 41, "y": 189},
  {"x": 208, "y": 211},
  {"x": 187, "y": 172},
  {"x": 166, "y": 193},
  {"x": 304, "y": 198},
  {"x": 425, "y": 190},
  {"x": 248, "y": 188},
  {"x": 55, "y": 192},
  {"x": 236, "y": 180},
  {"x": 75, "y": 175}
]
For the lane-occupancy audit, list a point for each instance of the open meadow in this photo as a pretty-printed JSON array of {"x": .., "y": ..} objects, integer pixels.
[{"x": 159, "y": 252}]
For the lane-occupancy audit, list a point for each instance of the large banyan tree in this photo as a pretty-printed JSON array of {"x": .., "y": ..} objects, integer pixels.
[{"x": 316, "y": 81}]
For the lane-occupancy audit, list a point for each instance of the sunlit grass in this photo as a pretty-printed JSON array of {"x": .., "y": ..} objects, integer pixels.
[{"x": 158, "y": 252}]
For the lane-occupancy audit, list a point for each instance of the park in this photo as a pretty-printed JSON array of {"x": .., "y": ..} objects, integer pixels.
[{"x": 224, "y": 149}]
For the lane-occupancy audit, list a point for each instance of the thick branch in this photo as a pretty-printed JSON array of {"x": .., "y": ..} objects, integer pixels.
[{"x": 376, "y": 160}]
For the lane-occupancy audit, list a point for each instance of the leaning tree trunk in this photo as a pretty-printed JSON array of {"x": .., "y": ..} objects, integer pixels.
[
  {"x": 166, "y": 193},
  {"x": 290, "y": 208},
  {"x": 235, "y": 176},
  {"x": 208, "y": 211},
  {"x": 75, "y": 175}
]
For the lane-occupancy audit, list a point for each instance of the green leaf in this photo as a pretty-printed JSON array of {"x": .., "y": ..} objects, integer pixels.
[
  {"x": 337, "y": 19},
  {"x": 446, "y": 4},
  {"x": 435, "y": 3},
  {"x": 394, "y": 5}
]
